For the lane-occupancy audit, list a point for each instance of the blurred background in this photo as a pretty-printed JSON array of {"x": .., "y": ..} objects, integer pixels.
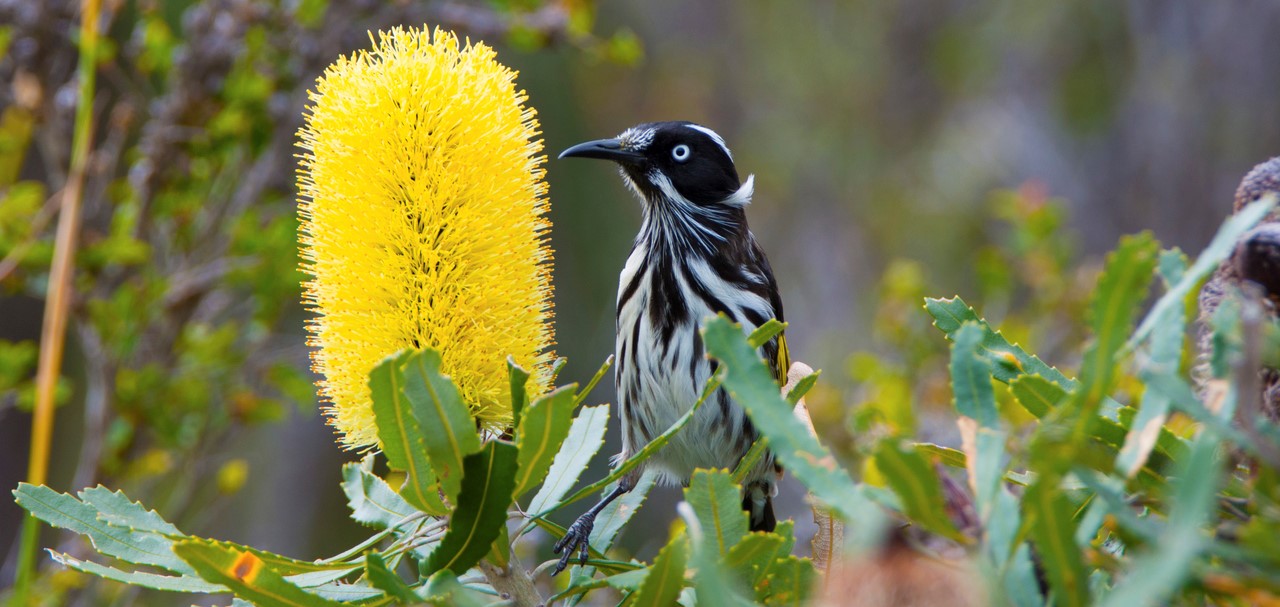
[{"x": 902, "y": 149}]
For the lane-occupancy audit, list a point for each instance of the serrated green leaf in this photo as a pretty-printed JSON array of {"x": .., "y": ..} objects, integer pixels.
[
  {"x": 401, "y": 437},
  {"x": 1037, "y": 395},
  {"x": 756, "y": 554},
  {"x": 143, "y": 579},
  {"x": 448, "y": 430},
  {"x": 917, "y": 485},
  {"x": 763, "y": 333},
  {"x": 129, "y": 545},
  {"x": 1008, "y": 360},
  {"x": 1223, "y": 243},
  {"x": 789, "y": 582},
  {"x": 1062, "y": 439},
  {"x": 713, "y": 584},
  {"x": 717, "y": 502},
  {"x": 488, "y": 480},
  {"x": 586, "y": 436},
  {"x": 245, "y": 574},
  {"x": 373, "y": 502},
  {"x": 971, "y": 376},
  {"x": 751, "y": 385},
  {"x": 519, "y": 378},
  {"x": 666, "y": 576},
  {"x": 803, "y": 387},
  {"x": 384, "y": 579},
  {"x": 546, "y": 424},
  {"x": 117, "y": 509},
  {"x": 1053, "y": 530},
  {"x": 1122, "y": 287}
]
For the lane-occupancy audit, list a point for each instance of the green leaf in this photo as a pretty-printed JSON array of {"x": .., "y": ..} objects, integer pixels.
[
  {"x": 401, "y": 437},
  {"x": 1036, "y": 394},
  {"x": 386, "y": 580},
  {"x": 360, "y": 594},
  {"x": 1164, "y": 358},
  {"x": 372, "y": 501},
  {"x": 246, "y": 575},
  {"x": 1008, "y": 360},
  {"x": 1122, "y": 287},
  {"x": 443, "y": 590},
  {"x": 666, "y": 576},
  {"x": 144, "y": 579},
  {"x": 971, "y": 376},
  {"x": 803, "y": 387},
  {"x": 611, "y": 520},
  {"x": 649, "y": 449},
  {"x": 500, "y": 551},
  {"x": 756, "y": 554},
  {"x": 751, "y": 385},
  {"x": 488, "y": 480},
  {"x": 1053, "y": 530},
  {"x": 717, "y": 502},
  {"x": 545, "y": 426},
  {"x": 117, "y": 509},
  {"x": 586, "y": 436},
  {"x": 131, "y": 545},
  {"x": 519, "y": 379},
  {"x": 749, "y": 460},
  {"x": 1155, "y": 576},
  {"x": 762, "y": 334},
  {"x": 917, "y": 485},
  {"x": 448, "y": 430},
  {"x": 789, "y": 582},
  {"x": 713, "y": 584},
  {"x": 1223, "y": 243},
  {"x": 595, "y": 379}
]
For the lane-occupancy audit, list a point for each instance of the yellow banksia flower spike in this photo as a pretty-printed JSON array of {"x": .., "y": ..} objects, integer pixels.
[{"x": 423, "y": 224}]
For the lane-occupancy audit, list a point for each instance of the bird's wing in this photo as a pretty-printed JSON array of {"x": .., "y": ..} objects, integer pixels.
[{"x": 783, "y": 362}]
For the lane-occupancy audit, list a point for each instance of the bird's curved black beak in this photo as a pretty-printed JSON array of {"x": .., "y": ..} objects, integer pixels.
[{"x": 605, "y": 149}]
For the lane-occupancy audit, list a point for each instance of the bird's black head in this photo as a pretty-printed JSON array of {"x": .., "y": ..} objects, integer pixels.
[{"x": 669, "y": 159}]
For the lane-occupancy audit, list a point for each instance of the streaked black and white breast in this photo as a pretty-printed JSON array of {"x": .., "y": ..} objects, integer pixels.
[{"x": 693, "y": 258}]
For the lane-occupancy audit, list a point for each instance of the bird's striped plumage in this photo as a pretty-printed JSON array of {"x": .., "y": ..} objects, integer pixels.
[
  {"x": 693, "y": 258},
  {"x": 688, "y": 263}
]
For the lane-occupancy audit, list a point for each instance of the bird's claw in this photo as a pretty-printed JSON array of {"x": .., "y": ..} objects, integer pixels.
[{"x": 577, "y": 536}]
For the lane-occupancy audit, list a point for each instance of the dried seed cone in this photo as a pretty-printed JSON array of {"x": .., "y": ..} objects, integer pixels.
[{"x": 423, "y": 224}]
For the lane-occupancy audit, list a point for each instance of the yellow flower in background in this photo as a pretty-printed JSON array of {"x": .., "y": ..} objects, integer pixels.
[{"x": 423, "y": 224}]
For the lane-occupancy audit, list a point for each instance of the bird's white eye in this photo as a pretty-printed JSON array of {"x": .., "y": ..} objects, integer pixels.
[{"x": 680, "y": 152}]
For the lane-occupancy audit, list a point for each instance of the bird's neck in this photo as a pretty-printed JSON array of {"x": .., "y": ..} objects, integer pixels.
[{"x": 684, "y": 228}]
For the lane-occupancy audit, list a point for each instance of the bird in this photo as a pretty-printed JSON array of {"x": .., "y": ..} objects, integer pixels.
[
  {"x": 694, "y": 257},
  {"x": 1255, "y": 259}
]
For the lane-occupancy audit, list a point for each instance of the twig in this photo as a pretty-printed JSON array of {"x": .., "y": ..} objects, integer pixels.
[
  {"x": 38, "y": 224},
  {"x": 513, "y": 583},
  {"x": 58, "y": 301}
]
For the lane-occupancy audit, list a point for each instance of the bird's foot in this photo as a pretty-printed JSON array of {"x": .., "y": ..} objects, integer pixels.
[{"x": 577, "y": 537}]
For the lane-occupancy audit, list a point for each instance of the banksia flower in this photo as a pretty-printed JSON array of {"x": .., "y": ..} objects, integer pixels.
[{"x": 423, "y": 224}]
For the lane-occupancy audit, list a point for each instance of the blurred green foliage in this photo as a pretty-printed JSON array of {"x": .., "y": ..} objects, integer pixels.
[{"x": 186, "y": 328}]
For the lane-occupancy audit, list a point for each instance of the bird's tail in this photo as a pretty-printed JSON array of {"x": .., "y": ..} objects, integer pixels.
[{"x": 757, "y": 500}]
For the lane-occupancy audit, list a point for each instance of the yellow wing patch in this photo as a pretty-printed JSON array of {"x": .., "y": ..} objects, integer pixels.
[{"x": 784, "y": 360}]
